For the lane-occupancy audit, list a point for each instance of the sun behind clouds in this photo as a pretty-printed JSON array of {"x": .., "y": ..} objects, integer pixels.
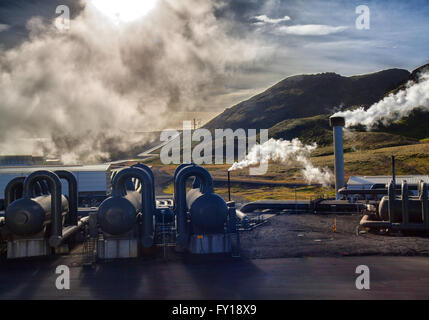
[{"x": 124, "y": 11}]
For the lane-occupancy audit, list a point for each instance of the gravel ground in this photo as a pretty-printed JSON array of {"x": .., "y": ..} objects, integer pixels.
[{"x": 309, "y": 235}]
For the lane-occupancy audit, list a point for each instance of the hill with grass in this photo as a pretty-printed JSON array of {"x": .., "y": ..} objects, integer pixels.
[
  {"x": 306, "y": 96},
  {"x": 300, "y": 106}
]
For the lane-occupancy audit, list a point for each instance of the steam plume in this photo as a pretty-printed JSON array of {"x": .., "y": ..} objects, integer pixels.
[
  {"x": 392, "y": 107},
  {"x": 84, "y": 92},
  {"x": 286, "y": 152}
]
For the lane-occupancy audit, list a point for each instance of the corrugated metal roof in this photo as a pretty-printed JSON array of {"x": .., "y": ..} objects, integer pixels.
[
  {"x": 371, "y": 180},
  {"x": 86, "y": 168}
]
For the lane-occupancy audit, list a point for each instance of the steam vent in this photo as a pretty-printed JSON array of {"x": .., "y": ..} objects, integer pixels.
[{"x": 337, "y": 123}]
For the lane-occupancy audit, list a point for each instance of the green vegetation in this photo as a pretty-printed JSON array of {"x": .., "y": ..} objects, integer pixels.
[
  {"x": 269, "y": 193},
  {"x": 306, "y": 96}
]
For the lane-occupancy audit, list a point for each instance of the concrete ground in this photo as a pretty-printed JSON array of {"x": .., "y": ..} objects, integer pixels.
[
  {"x": 310, "y": 235},
  {"x": 221, "y": 278},
  {"x": 290, "y": 257}
]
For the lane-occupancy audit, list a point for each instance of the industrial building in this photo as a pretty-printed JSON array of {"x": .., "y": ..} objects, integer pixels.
[
  {"x": 94, "y": 180},
  {"x": 20, "y": 160}
]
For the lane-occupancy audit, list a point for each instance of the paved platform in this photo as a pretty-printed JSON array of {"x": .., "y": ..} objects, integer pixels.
[{"x": 220, "y": 278}]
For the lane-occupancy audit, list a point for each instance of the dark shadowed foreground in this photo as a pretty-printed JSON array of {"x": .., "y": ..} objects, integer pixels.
[{"x": 222, "y": 278}]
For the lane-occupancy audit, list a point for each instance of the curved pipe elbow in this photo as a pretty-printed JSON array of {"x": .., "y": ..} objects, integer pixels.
[
  {"x": 54, "y": 184},
  {"x": 206, "y": 186},
  {"x": 148, "y": 200},
  {"x": 73, "y": 194},
  {"x": 13, "y": 191}
]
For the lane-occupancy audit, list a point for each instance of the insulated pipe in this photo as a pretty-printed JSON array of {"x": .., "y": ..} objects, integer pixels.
[
  {"x": 180, "y": 195},
  {"x": 404, "y": 194},
  {"x": 13, "y": 191},
  {"x": 244, "y": 219},
  {"x": 337, "y": 123},
  {"x": 147, "y": 198},
  {"x": 73, "y": 195},
  {"x": 54, "y": 184},
  {"x": 71, "y": 230},
  {"x": 176, "y": 172},
  {"x": 425, "y": 202},
  {"x": 229, "y": 185},
  {"x": 44, "y": 187},
  {"x": 374, "y": 224},
  {"x": 150, "y": 172},
  {"x": 344, "y": 191},
  {"x": 391, "y": 196}
]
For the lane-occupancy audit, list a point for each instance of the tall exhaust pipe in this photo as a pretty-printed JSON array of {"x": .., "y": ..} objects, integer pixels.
[{"x": 337, "y": 123}]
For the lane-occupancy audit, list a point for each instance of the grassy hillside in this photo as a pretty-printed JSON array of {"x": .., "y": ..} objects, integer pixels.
[{"x": 307, "y": 96}]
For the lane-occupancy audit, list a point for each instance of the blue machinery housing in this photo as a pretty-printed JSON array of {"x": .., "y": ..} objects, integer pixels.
[{"x": 40, "y": 220}]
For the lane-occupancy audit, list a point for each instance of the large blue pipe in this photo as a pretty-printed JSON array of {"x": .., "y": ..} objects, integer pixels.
[
  {"x": 54, "y": 184},
  {"x": 147, "y": 198},
  {"x": 206, "y": 181},
  {"x": 72, "y": 218},
  {"x": 149, "y": 171}
]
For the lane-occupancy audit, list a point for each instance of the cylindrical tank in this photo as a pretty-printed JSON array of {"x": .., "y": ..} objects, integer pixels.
[
  {"x": 414, "y": 210},
  {"x": 27, "y": 216},
  {"x": 208, "y": 212},
  {"x": 118, "y": 215}
]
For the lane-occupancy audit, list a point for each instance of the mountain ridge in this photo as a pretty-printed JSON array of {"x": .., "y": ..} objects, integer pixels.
[{"x": 309, "y": 95}]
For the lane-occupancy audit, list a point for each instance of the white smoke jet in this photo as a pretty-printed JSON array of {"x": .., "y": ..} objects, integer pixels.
[
  {"x": 393, "y": 107},
  {"x": 89, "y": 89},
  {"x": 286, "y": 152}
]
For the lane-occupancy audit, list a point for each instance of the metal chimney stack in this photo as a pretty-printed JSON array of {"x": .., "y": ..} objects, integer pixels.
[{"x": 337, "y": 123}]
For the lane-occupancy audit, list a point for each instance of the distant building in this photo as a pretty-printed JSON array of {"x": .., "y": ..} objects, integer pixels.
[
  {"x": 380, "y": 182},
  {"x": 21, "y": 160},
  {"x": 94, "y": 181}
]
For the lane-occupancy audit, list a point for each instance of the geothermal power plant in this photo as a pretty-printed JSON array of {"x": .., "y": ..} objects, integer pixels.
[{"x": 45, "y": 212}]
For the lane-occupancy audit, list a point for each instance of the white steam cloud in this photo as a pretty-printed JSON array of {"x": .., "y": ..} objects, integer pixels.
[
  {"x": 393, "y": 107},
  {"x": 88, "y": 89},
  {"x": 286, "y": 152}
]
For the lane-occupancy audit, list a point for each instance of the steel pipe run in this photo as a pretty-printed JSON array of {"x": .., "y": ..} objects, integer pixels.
[
  {"x": 423, "y": 197},
  {"x": 391, "y": 203},
  {"x": 72, "y": 230},
  {"x": 345, "y": 191},
  {"x": 206, "y": 187},
  {"x": 365, "y": 222},
  {"x": 72, "y": 217},
  {"x": 405, "y": 203},
  {"x": 243, "y": 218}
]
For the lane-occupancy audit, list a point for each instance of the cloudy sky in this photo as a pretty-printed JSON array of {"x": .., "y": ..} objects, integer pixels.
[
  {"x": 159, "y": 61},
  {"x": 300, "y": 37}
]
